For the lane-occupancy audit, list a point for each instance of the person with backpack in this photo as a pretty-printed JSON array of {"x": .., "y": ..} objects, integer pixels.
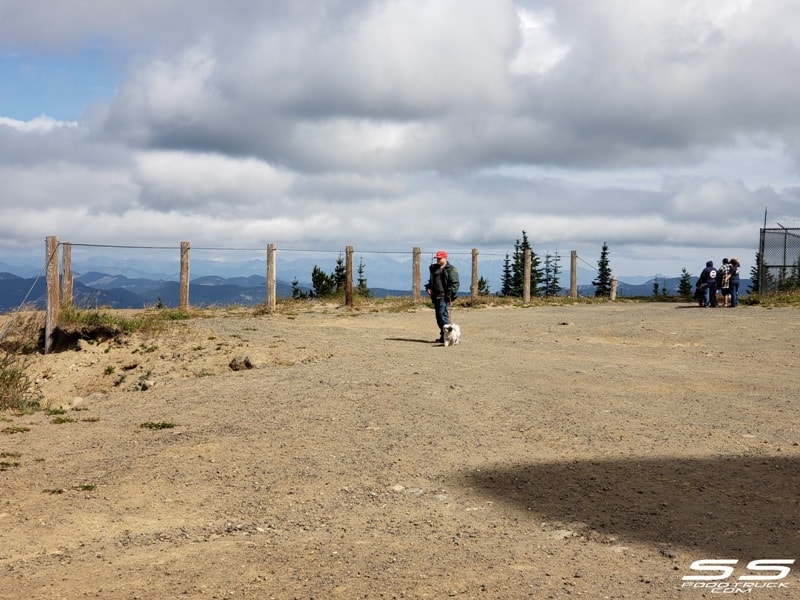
[
  {"x": 707, "y": 283},
  {"x": 442, "y": 288}
]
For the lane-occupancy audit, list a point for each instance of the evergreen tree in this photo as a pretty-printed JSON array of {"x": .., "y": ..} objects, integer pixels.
[
  {"x": 655, "y": 288},
  {"x": 339, "y": 275},
  {"x": 794, "y": 278},
  {"x": 507, "y": 280},
  {"x": 297, "y": 293},
  {"x": 755, "y": 276},
  {"x": 518, "y": 269},
  {"x": 552, "y": 270},
  {"x": 483, "y": 287},
  {"x": 685, "y": 285},
  {"x": 603, "y": 282},
  {"x": 362, "y": 289},
  {"x": 518, "y": 265},
  {"x": 322, "y": 284}
]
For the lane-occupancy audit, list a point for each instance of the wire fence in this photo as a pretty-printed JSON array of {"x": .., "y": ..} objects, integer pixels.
[
  {"x": 384, "y": 270},
  {"x": 779, "y": 267}
]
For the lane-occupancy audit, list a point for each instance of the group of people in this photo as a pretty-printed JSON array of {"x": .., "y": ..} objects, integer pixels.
[{"x": 724, "y": 280}]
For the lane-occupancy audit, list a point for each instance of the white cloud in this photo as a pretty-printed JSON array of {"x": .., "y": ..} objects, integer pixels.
[
  {"x": 202, "y": 183},
  {"x": 42, "y": 124},
  {"x": 663, "y": 124}
]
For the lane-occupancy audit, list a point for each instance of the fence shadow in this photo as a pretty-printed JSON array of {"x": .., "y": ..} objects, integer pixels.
[{"x": 729, "y": 507}]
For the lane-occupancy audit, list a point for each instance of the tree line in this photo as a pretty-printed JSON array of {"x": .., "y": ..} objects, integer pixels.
[{"x": 544, "y": 276}]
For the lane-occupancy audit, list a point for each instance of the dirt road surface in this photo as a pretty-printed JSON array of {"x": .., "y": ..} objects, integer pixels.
[{"x": 591, "y": 451}]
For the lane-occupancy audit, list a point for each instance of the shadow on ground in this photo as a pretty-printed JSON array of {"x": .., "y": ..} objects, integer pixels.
[
  {"x": 729, "y": 507},
  {"x": 414, "y": 340}
]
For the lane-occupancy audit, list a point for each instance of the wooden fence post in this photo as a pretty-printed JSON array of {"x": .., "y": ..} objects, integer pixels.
[
  {"x": 573, "y": 274},
  {"x": 271, "y": 278},
  {"x": 66, "y": 275},
  {"x": 473, "y": 288},
  {"x": 183, "y": 292},
  {"x": 415, "y": 275},
  {"x": 614, "y": 284},
  {"x": 526, "y": 276},
  {"x": 348, "y": 276},
  {"x": 53, "y": 291}
]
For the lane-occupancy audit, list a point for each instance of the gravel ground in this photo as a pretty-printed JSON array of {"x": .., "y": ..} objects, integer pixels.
[{"x": 589, "y": 451}]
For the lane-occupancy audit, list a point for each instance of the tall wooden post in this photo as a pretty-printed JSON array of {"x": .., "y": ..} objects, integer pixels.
[
  {"x": 526, "y": 277},
  {"x": 614, "y": 283},
  {"x": 53, "y": 291},
  {"x": 66, "y": 275},
  {"x": 415, "y": 275},
  {"x": 271, "y": 278},
  {"x": 473, "y": 287},
  {"x": 573, "y": 274},
  {"x": 183, "y": 292},
  {"x": 348, "y": 276}
]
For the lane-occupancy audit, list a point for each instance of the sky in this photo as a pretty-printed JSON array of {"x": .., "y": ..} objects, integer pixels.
[{"x": 668, "y": 129}]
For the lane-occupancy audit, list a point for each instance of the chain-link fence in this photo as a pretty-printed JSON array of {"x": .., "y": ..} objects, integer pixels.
[{"x": 779, "y": 265}]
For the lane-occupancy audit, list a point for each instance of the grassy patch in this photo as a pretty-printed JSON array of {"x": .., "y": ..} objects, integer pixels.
[
  {"x": 17, "y": 389},
  {"x": 15, "y": 429},
  {"x": 61, "y": 419},
  {"x": 151, "y": 320},
  {"x": 157, "y": 425},
  {"x": 790, "y": 298}
]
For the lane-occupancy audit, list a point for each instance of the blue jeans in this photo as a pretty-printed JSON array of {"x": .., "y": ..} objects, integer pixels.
[
  {"x": 710, "y": 295},
  {"x": 442, "y": 308},
  {"x": 734, "y": 293}
]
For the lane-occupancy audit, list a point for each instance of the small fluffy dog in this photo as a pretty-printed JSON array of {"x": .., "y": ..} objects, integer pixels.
[{"x": 452, "y": 333}]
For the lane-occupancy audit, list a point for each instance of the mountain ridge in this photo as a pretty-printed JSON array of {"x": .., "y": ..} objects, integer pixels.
[{"x": 96, "y": 288}]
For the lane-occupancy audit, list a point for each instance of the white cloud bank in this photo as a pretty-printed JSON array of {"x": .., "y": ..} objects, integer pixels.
[{"x": 663, "y": 128}]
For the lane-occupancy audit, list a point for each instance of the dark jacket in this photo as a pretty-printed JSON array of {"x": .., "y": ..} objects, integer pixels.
[
  {"x": 708, "y": 277},
  {"x": 447, "y": 287}
]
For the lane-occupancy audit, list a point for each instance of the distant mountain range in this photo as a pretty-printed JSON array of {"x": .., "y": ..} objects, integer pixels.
[
  {"x": 95, "y": 289},
  {"x": 117, "y": 291}
]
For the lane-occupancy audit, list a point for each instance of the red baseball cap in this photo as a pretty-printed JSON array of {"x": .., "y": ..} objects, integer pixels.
[{"x": 441, "y": 254}]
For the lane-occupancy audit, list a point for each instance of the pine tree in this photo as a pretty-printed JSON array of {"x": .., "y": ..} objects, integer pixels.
[
  {"x": 362, "y": 289},
  {"x": 794, "y": 278},
  {"x": 551, "y": 271},
  {"x": 685, "y": 285},
  {"x": 339, "y": 275},
  {"x": 518, "y": 268},
  {"x": 323, "y": 284},
  {"x": 507, "y": 280},
  {"x": 297, "y": 293},
  {"x": 483, "y": 286},
  {"x": 755, "y": 276},
  {"x": 603, "y": 282}
]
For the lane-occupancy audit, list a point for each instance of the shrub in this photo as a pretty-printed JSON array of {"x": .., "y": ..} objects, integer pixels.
[{"x": 17, "y": 390}]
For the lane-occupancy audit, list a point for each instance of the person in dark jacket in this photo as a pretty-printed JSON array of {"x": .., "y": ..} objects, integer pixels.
[
  {"x": 442, "y": 288},
  {"x": 735, "y": 280},
  {"x": 708, "y": 284}
]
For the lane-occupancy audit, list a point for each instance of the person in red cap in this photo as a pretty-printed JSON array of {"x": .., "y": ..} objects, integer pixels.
[{"x": 442, "y": 288}]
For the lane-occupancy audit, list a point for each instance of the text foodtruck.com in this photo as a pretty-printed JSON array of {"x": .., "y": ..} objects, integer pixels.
[{"x": 761, "y": 574}]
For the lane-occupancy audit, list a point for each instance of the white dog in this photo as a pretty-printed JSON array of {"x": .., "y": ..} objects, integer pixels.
[{"x": 452, "y": 333}]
